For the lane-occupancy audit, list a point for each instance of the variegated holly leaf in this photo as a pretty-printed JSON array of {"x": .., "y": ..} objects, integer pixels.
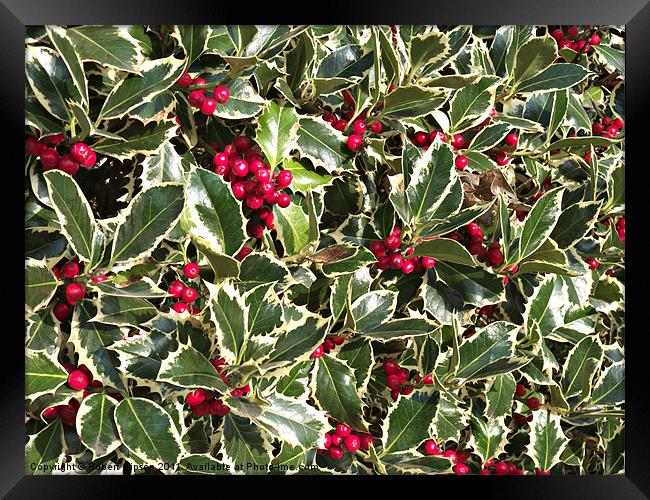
[
  {"x": 113, "y": 46},
  {"x": 148, "y": 431},
  {"x": 500, "y": 395},
  {"x": 187, "y": 367},
  {"x": 45, "y": 450},
  {"x": 450, "y": 418},
  {"x": 43, "y": 374},
  {"x": 154, "y": 77},
  {"x": 408, "y": 422},
  {"x": 148, "y": 219},
  {"x": 277, "y": 129},
  {"x": 244, "y": 446},
  {"x": 490, "y": 351},
  {"x": 289, "y": 420},
  {"x": 75, "y": 217},
  {"x": 95, "y": 424},
  {"x": 322, "y": 144},
  {"x": 40, "y": 284},
  {"x": 136, "y": 139},
  {"x": 334, "y": 388},
  {"x": 547, "y": 440},
  {"x": 489, "y": 437},
  {"x": 91, "y": 341}
]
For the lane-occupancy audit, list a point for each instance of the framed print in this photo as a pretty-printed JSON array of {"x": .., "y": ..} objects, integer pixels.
[{"x": 366, "y": 250}]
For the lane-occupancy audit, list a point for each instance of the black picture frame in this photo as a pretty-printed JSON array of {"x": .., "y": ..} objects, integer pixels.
[{"x": 635, "y": 14}]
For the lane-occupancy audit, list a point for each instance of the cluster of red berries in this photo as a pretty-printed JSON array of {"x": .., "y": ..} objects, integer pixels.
[
  {"x": 197, "y": 98},
  {"x": 473, "y": 241},
  {"x": 328, "y": 344},
  {"x": 457, "y": 457},
  {"x": 397, "y": 379},
  {"x": 187, "y": 294},
  {"x": 532, "y": 402},
  {"x": 388, "y": 254},
  {"x": 500, "y": 154},
  {"x": 73, "y": 292},
  {"x": 79, "y": 154},
  {"x": 219, "y": 365},
  {"x": 573, "y": 40},
  {"x": 202, "y": 402},
  {"x": 359, "y": 127},
  {"x": 343, "y": 438},
  {"x": 79, "y": 379},
  {"x": 252, "y": 184},
  {"x": 607, "y": 127},
  {"x": 424, "y": 140}
]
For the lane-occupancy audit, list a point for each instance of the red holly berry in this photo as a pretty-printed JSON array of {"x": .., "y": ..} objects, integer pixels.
[
  {"x": 460, "y": 469},
  {"x": 406, "y": 390},
  {"x": 180, "y": 307},
  {"x": 520, "y": 391},
  {"x": 376, "y": 127},
  {"x": 74, "y": 292},
  {"x": 32, "y": 146},
  {"x": 352, "y": 443},
  {"x": 49, "y": 156},
  {"x": 50, "y": 413},
  {"x": 238, "y": 190},
  {"x": 597, "y": 128},
  {"x": 365, "y": 441},
  {"x": 461, "y": 162},
  {"x": 284, "y": 178},
  {"x": 540, "y": 472},
  {"x": 558, "y": 34},
  {"x": 199, "y": 81},
  {"x": 458, "y": 141},
  {"x": 428, "y": 262},
  {"x": 431, "y": 447},
  {"x": 377, "y": 248},
  {"x": 189, "y": 295},
  {"x": 200, "y": 410},
  {"x": 452, "y": 455},
  {"x": 355, "y": 142},
  {"x": 70, "y": 269},
  {"x": 318, "y": 352},
  {"x": 395, "y": 261},
  {"x": 208, "y": 106},
  {"x": 489, "y": 462},
  {"x": 253, "y": 201},
  {"x": 80, "y": 152},
  {"x": 254, "y": 230},
  {"x": 175, "y": 288},
  {"x": 343, "y": 430},
  {"x": 502, "y": 468},
  {"x": 502, "y": 158},
  {"x": 403, "y": 375},
  {"x": 221, "y": 94},
  {"x": 340, "y": 125},
  {"x": 78, "y": 380},
  {"x": 592, "y": 263},
  {"x": 390, "y": 366},
  {"x": 393, "y": 382},
  {"x": 283, "y": 200},
  {"x": 359, "y": 127},
  {"x": 618, "y": 123},
  {"x": 191, "y": 270},
  {"x": 408, "y": 266},
  {"x": 195, "y": 397},
  {"x": 338, "y": 340},
  {"x": 572, "y": 31},
  {"x": 512, "y": 139},
  {"x": 334, "y": 452},
  {"x": 185, "y": 80},
  {"x": 494, "y": 257},
  {"x": 329, "y": 117},
  {"x": 242, "y": 143},
  {"x": 61, "y": 311},
  {"x": 196, "y": 98},
  {"x": 484, "y": 472},
  {"x": 68, "y": 414},
  {"x": 533, "y": 403}
]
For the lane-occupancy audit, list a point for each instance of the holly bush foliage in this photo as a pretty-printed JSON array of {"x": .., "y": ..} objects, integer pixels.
[{"x": 528, "y": 313}]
